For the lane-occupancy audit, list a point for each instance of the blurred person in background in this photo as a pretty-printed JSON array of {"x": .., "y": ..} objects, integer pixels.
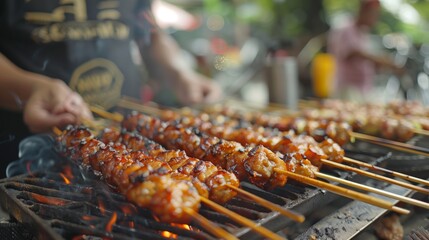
[
  {"x": 57, "y": 56},
  {"x": 355, "y": 64}
]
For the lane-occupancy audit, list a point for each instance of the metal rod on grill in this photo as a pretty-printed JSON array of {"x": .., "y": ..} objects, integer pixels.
[
  {"x": 210, "y": 226},
  {"x": 240, "y": 219},
  {"x": 384, "y": 170},
  {"x": 374, "y": 190},
  {"x": 345, "y": 192}
]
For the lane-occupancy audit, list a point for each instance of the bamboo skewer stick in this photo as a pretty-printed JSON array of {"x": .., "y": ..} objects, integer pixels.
[
  {"x": 421, "y": 132},
  {"x": 124, "y": 103},
  {"x": 266, "y": 108},
  {"x": 127, "y": 99},
  {"x": 374, "y": 190},
  {"x": 392, "y": 144},
  {"x": 57, "y": 131},
  {"x": 240, "y": 219},
  {"x": 345, "y": 192},
  {"x": 117, "y": 117},
  {"x": 399, "y": 148},
  {"x": 210, "y": 226},
  {"x": 384, "y": 170},
  {"x": 375, "y": 176},
  {"x": 292, "y": 215},
  {"x": 415, "y": 130}
]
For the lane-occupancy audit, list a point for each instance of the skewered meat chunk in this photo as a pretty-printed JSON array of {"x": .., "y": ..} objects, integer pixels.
[
  {"x": 297, "y": 164},
  {"x": 405, "y": 130},
  {"x": 332, "y": 150},
  {"x": 339, "y": 132},
  {"x": 217, "y": 183},
  {"x": 166, "y": 198}
]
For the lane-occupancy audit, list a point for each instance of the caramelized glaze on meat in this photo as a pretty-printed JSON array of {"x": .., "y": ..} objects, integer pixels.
[
  {"x": 141, "y": 178},
  {"x": 256, "y": 163}
]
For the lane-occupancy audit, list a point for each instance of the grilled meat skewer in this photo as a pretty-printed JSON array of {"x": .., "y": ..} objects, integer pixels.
[
  {"x": 145, "y": 181},
  {"x": 255, "y": 164},
  {"x": 214, "y": 178},
  {"x": 286, "y": 143}
]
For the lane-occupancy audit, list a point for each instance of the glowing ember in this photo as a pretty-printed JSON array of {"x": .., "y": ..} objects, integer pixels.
[
  {"x": 184, "y": 226},
  {"x": 87, "y": 218},
  {"x": 172, "y": 235},
  {"x": 66, "y": 180},
  {"x": 131, "y": 224},
  {"x": 80, "y": 237},
  {"x": 168, "y": 234},
  {"x": 101, "y": 207},
  {"x": 68, "y": 172},
  {"x": 111, "y": 222},
  {"x": 48, "y": 200},
  {"x": 128, "y": 209}
]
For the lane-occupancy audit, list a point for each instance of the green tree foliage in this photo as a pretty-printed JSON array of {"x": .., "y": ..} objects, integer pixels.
[{"x": 292, "y": 19}]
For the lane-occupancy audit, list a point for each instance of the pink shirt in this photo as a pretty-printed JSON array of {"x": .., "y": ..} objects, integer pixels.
[{"x": 353, "y": 72}]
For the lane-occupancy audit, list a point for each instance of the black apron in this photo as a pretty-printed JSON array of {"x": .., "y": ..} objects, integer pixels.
[{"x": 89, "y": 44}]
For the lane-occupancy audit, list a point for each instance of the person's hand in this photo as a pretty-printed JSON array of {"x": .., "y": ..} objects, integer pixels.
[
  {"x": 53, "y": 104},
  {"x": 193, "y": 87},
  {"x": 388, "y": 63}
]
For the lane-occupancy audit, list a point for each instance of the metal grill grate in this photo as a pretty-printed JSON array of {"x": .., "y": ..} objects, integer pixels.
[{"x": 33, "y": 199}]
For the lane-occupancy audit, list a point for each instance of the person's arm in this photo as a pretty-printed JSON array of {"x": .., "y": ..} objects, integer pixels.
[
  {"x": 380, "y": 61},
  {"x": 16, "y": 85},
  {"x": 164, "y": 61},
  {"x": 45, "y": 102},
  {"x": 345, "y": 44}
]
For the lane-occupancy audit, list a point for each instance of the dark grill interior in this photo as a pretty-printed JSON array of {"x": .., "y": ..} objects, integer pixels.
[
  {"x": 59, "y": 210},
  {"x": 66, "y": 201}
]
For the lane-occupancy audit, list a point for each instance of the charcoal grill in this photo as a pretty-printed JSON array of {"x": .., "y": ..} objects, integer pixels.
[{"x": 40, "y": 195}]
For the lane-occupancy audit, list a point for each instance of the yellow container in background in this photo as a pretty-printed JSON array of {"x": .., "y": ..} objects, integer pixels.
[{"x": 322, "y": 72}]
